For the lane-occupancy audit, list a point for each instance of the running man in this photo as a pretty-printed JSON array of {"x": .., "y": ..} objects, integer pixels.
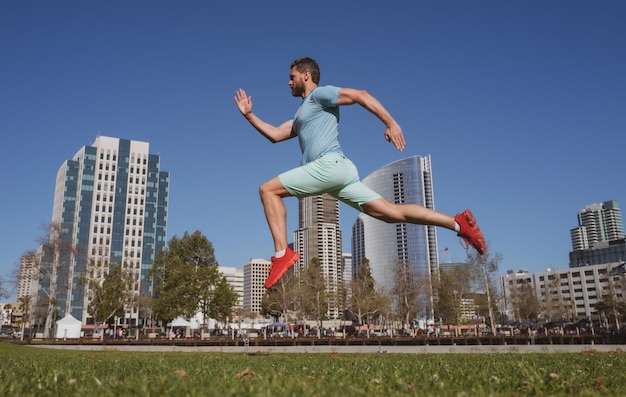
[{"x": 325, "y": 169}]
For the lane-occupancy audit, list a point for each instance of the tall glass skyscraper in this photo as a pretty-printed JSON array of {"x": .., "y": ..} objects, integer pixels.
[
  {"x": 110, "y": 205},
  {"x": 384, "y": 245}
]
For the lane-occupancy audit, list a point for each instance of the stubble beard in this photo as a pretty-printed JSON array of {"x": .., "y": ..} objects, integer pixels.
[{"x": 297, "y": 90}]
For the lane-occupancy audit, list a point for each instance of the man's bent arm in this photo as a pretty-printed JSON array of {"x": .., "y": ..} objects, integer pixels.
[
  {"x": 393, "y": 133},
  {"x": 272, "y": 133}
]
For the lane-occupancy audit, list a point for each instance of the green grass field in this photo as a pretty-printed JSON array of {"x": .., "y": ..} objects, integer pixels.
[{"x": 31, "y": 371}]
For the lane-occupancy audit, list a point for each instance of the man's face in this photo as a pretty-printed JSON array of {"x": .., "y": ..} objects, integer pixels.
[{"x": 296, "y": 82}]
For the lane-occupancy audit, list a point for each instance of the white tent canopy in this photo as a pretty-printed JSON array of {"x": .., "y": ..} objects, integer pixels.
[
  {"x": 180, "y": 322},
  {"x": 68, "y": 327}
]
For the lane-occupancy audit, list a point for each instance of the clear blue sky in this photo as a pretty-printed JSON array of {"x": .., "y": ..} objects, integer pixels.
[{"x": 521, "y": 104}]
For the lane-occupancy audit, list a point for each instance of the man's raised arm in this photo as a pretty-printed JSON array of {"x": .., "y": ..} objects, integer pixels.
[{"x": 272, "y": 133}]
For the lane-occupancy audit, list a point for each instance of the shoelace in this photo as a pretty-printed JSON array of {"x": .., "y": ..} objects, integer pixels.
[{"x": 464, "y": 243}]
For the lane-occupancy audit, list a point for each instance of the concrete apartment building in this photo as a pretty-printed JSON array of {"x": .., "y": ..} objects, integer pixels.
[
  {"x": 254, "y": 274},
  {"x": 319, "y": 236}
]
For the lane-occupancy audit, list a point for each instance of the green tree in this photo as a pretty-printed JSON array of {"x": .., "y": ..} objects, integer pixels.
[
  {"x": 365, "y": 301},
  {"x": 453, "y": 285},
  {"x": 612, "y": 309},
  {"x": 524, "y": 301},
  {"x": 611, "y": 306},
  {"x": 406, "y": 291},
  {"x": 483, "y": 273},
  {"x": 552, "y": 304},
  {"x": 446, "y": 309},
  {"x": 224, "y": 299},
  {"x": 3, "y": 291},
  {"x": 185, "y": 275},
  {"x": 24, "y": 304},
  {"x": 282, "y": 299},
  {"x": 313, "y": 292},
  {"x": 52, "y": 259},
  {"x": 111, "y": 296}
]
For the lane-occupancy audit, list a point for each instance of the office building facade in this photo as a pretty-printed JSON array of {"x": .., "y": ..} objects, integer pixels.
[
  {"x": 110, "y": 205},
  {"x": 565, "y": 294},
  {"x": 319, "y": 236},
  {"x": 254, "y": 273}
]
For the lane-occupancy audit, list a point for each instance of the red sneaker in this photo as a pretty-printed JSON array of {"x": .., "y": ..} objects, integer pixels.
[
  {"x": 470, "y": 232},
  {"x": 280, "y": 267}
]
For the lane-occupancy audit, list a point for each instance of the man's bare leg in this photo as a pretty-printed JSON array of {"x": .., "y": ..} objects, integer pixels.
[
  {"x": 464, "y": 223},
  {"x": 272, "y": 193},
  {"x": 410, "y": 213}
]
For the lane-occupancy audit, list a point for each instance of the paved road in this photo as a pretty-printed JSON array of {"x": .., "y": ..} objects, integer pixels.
[{"x": 353, "y": 349}]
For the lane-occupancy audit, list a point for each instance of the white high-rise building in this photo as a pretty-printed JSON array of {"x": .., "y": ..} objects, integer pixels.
[
  {"x": 597, "y": 223},
  {"x": 254, "y": 274},
  {"x": 347, "y": 267},
  {"x": 28, "y": 278},
  {"x": 234, "y": 277},
  {"x": 110, "y": 206}
]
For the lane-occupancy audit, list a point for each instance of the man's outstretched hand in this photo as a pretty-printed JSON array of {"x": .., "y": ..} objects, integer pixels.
[
  {"x": 394, "y": 135},
  {"x": 244, "y": 102}
]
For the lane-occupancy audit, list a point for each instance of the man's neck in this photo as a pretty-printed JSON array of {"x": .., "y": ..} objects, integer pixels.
[{"x": 309, "y": 88}]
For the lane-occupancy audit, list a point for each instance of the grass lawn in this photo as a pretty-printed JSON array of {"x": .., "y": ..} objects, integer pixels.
[{"x": 30, "y": 371}]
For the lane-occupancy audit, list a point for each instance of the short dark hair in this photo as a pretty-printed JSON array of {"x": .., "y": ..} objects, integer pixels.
[{"x": 306, "y": 63}]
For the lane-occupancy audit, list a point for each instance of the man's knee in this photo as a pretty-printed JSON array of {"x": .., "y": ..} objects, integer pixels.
[
  {"x": 271, "y": 188},
  {"x": 263, "y": 189}
]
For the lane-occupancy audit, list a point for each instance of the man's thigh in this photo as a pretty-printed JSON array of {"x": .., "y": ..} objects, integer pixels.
[
  {"x": 323, "y": 175},
  {"x": 356, "y": 194}
]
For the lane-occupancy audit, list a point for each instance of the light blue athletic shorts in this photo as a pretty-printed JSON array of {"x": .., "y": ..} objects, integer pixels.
[{"x": 332, "y": 173}]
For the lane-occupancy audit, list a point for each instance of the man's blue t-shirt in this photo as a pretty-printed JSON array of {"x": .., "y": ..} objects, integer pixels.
[{"x": 317, "y": 124}]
